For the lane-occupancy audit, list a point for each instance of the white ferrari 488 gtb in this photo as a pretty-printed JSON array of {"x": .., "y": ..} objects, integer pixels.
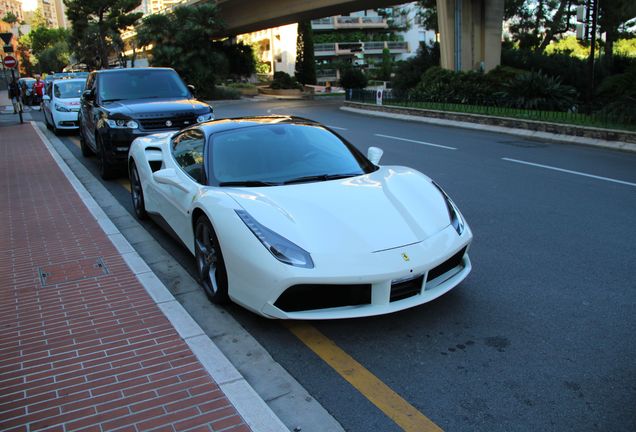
[{"x": 289, "y": 220}]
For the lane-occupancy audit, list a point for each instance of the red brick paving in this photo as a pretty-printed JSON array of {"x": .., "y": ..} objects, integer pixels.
[{"x": 85, "y": 350}]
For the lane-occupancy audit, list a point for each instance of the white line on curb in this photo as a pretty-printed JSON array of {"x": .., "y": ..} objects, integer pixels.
[
  {"x": 256, "y": 413},
  {"x": 569, "y": 171},
  {"x": 417, "y": 142}
]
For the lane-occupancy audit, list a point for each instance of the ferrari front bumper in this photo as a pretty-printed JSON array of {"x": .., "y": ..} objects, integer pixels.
[{"x": 381, "y": 282}]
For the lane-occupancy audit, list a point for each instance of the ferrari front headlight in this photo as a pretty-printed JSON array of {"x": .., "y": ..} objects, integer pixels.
[
  {"x": 282, "y": 249},
  {"x": 457, "y": 220}
]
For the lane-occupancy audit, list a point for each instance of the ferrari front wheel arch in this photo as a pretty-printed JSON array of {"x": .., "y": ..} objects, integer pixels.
[
  {"x": 136, "y": 191},
  {"x": 210, "y": 265}
]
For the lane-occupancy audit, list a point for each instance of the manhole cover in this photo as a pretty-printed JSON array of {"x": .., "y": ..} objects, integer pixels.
[{"x": 72, "y": 271}]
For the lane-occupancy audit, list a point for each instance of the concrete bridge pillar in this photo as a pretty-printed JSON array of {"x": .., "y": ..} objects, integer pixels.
[{"x": 470, "y": 33}]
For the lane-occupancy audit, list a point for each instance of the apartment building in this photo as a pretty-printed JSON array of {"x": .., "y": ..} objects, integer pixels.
[
  {"x": 361, "y": 38},
  {"x": 14, "y": 6}
]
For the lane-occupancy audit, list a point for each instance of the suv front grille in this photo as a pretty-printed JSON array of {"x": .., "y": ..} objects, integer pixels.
[{"x": 160, "y": 123}]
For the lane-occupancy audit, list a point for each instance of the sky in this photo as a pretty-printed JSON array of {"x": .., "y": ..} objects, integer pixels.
[{"x": 29, "y": 5}]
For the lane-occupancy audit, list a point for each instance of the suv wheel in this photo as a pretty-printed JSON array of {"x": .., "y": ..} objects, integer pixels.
[
  {"x": 106, "y": 170},
  {"x": 86, "y": 151}
]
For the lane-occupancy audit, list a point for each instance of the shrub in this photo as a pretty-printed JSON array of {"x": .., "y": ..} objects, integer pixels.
[
  {"x": 283, "y": 81},
  {"x": 442, "y": 85},
  {"x": 222, "y": 92},
  {"x": 617, "y": 95},
  {"x": 408, "y": 73},
  {"x": 353, "y": 79},
  {"x": 535, "y": 90}
]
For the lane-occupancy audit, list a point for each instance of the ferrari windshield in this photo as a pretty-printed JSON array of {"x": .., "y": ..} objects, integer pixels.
[
  {"x": 141, "y": 84},
  {"x": 275, "y": 154}
]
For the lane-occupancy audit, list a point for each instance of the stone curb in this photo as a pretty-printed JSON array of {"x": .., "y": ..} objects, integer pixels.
[
  {"x": 247, "y": 402},
  {"x": 381, "y": 111}
]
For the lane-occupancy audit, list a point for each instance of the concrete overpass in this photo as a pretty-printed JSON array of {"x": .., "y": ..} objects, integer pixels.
[{"x": 470, "y": 30}]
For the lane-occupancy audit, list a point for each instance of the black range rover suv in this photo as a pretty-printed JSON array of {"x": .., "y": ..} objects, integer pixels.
[{"x": 120, "y": 105}]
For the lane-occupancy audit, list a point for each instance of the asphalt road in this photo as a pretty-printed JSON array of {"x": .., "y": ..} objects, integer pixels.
[{"x": 541, "y": 334}]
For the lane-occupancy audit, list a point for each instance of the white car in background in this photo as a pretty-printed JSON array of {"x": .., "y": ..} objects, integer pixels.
[{"x": 61, "y": 103}]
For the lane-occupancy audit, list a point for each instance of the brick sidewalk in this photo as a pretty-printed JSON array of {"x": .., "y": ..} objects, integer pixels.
[{"x": 83, "y": 346}]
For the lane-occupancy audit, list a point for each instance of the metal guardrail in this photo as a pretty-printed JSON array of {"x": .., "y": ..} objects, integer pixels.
[{"x": 496, "y": 108}]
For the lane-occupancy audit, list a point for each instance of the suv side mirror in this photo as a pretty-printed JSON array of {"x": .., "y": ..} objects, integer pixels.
[
  {"x": 192, "y": 89},
  {"x": 88, "y": 95}
]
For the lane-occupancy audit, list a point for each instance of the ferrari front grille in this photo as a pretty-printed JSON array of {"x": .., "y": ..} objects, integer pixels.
[
  {"x": 317, "y": 296},
  {"x": 405, "y": 289},
  {"x": 446, "y": 266}
]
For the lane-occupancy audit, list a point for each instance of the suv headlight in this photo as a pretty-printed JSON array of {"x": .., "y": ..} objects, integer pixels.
[
  {"x": 457, "y": 220},
  {"x": 61, "y": 108},
  {"x": 283, "y": 250},
  {"x": 205, "y": 117},
  {"x": 122, "y": 124}
]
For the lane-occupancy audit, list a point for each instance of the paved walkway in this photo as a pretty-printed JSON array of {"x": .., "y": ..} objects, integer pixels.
[{"x": 84, "y": 346}]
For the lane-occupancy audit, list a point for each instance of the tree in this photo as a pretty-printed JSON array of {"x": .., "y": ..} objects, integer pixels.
[
  {"x": 96, "y": 26},
  {"x": 50, "y": 47},
  {"x": 305, "y": 61},
  {"x": 10, "y": 18},
  {"x": 353, "y": 79},
  {"x": 24, "y": 54},
  {"x": 38, "y": 19},
  {"x": 183, "y": 40},
  {"x": 427, "y": 14},
  {"x": 613, "y": 15},
  {"x": 242, "y": 62},
  {"x": 386, "y": 67}
]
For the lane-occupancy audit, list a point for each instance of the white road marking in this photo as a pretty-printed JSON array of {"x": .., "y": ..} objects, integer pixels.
[
  {"x": 417, "y": 142},
  {"x": 569, "y": 171},
  {"x": 336, "y": 127}
]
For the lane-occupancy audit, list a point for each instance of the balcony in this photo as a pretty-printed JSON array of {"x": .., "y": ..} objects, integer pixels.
[
  {"x": 324, "y": 75},
  {"x": 351, "y": 48},
  {"x": 350, "y": 22}
]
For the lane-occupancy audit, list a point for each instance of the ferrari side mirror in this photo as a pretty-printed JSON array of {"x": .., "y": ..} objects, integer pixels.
[{"x": 374, "y": 154}]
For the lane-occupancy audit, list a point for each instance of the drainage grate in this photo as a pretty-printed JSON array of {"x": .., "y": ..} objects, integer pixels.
[{"x": 72, "y": 271}]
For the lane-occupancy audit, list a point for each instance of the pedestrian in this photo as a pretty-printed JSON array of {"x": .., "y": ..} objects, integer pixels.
[
  {"x": 38, "y": 88},
  {"x": 14, "y": 95}
]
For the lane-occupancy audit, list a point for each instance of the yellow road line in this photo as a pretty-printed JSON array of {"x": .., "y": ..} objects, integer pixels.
[
  {"x": 378, "y": 393},
  {"x": 125, "y": 183}
]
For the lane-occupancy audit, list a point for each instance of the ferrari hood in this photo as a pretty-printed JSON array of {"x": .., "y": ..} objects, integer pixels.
[{"x": 389, "y": 208}]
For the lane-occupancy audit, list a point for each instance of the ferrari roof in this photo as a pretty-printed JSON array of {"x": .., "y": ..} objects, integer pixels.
[{"x": 222, "y": 125}]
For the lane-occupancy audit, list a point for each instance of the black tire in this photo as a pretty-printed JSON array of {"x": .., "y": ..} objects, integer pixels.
[
  {"x": 209, "y": 260},
  {"x": 46, "y": 121},
  {"x": 137, "y": 193},
  {"x": 86, "y": 151},
  {"x": 106, "y": 169}
]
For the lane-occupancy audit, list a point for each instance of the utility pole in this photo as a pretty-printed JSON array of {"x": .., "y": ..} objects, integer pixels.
[{"x": 594, "y": 13}]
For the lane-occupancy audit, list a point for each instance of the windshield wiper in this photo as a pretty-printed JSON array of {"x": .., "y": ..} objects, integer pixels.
[
  {"x": 111, "y": 100},
  {"x": 320, "y": 177},
  {"x": 248, "y": 183}
]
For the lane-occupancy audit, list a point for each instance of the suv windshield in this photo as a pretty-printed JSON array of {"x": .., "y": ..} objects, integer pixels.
[
  {"x": 282, "y": 154},
  {"x": 68, "y": 89},
  {"x": 141, "y": 84}
]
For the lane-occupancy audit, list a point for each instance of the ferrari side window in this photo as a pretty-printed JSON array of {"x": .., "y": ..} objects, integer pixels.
[{"x": 187, "y": 149}]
